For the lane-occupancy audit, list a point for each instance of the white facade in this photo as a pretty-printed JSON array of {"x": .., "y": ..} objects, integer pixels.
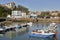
[
  {"x": 33, "y": 16},
  {"x": 18, "y": 14}
]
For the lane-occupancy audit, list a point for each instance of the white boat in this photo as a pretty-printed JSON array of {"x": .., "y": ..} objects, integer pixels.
[
  {"x": 20, "y": 28},
  {"x": 2, "y": 30},
  {"x": 45, "y": 32},
  {"x": 30, "y": 23}
]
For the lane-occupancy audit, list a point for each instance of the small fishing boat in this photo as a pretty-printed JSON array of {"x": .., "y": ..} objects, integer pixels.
[
  {"x": 29, "y": 23},
  {"x": 17, "y": 26},
  {"x": 45, "y": 32},
  {"x": 2, "y": 30}
]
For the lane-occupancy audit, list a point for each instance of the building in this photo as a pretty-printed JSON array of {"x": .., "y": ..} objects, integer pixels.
[
  {"x": 32, "y": 15},
  {"x": 38, "y": 13},
  {"x": 54, "y": 13},
  {"x": 18, "y": 14},
  {"x": 9, "y": 5}
]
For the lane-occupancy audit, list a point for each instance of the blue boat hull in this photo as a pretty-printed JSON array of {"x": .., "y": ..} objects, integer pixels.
[{"x": 41, "y": 36}]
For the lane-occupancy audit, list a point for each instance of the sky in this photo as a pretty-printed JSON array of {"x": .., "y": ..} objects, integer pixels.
[{"x": 36, "y": 5}]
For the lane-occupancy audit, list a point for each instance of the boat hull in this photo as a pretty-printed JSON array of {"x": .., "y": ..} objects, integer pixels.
[
  {"x": 2, "y": 31},
  {"x": 42, "y": 35}
]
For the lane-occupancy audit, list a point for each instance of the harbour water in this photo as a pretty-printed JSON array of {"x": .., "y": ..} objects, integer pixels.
[{"x": 13, "y": 35}]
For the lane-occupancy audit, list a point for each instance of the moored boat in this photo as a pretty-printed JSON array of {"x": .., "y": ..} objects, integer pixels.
[
  {"x": 2, "y": 30},
  {"x": 45, "y": 32},
  {"x": 29, "y": 23}
]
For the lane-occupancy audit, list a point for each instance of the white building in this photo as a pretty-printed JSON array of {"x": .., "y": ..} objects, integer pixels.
[
  {"x": 18, "y": 14},
  {"x": 33, "y": 16},
  {"x": 9, "y": 5}
]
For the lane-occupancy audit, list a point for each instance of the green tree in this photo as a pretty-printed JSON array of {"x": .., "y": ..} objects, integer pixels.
[
  {"x": 4, "y": 11},
  {"x": 22, "y": 8}
]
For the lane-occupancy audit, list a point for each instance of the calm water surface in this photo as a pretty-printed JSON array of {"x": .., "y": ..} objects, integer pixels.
[{"x": 12, "y": 35}]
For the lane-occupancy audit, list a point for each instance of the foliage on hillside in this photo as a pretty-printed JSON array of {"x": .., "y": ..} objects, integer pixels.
[
  {"x": 44, "y": 14},
  {"x": 4, "y": 11},
  {"x": 22, "y": 8}
]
